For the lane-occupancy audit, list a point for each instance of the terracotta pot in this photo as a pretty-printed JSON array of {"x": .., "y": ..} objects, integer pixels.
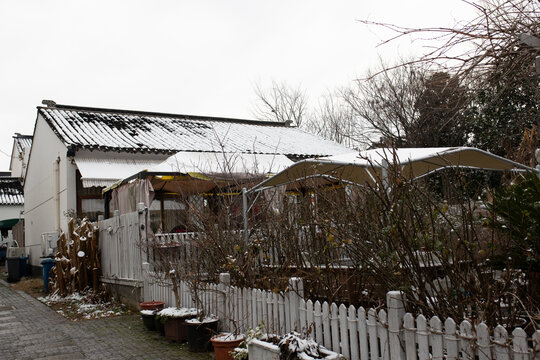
[
  {"x": 224, "y": 347},
  {"x": 152, "y": 305}
]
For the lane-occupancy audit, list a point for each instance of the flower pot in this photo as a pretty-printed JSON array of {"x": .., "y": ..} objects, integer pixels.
[
  {"x": 160, "y": 328},
  {"x": 224, "y": 344},
  {"x": 152, "y": 305},
  {"x": 199, "y": 334},
  {"x": 175, "y": 329},
  {"x": 149, "y": 319}
]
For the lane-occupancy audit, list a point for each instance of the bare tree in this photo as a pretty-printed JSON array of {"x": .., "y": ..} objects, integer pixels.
[
  {"x": 487, "y": 51},
  {"x": 334, "y": 119},
  {"x": 281, "y": 103}
]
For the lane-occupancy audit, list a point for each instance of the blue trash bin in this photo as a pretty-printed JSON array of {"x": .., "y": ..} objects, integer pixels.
[
  {"x": 23, "y": 261},
  {"x": 47, "y": 266},
  {"x": 3, "y": 251}
]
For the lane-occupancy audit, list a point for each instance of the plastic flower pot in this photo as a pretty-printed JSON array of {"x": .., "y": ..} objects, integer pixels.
[
  {"x": 173, "y": 320},
  {"x": 160, "y": 328},
  {"x": 149, "y": 319},
  {"x": 199, "y": 334},
  {"x": 175, "y": 329},
  {"x": 224, "y": 344},
  {"x": 152, "y": 305}
]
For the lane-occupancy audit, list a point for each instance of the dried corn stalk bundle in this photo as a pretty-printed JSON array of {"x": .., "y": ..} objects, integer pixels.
[{"x": 77, "y": 260}]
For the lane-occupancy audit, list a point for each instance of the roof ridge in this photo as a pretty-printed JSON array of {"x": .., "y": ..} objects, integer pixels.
[{"x": 160, "y": 114}]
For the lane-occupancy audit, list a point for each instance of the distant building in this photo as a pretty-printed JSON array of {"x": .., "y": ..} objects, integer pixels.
[
  {"x": 19, "y": 155},
  {"x": 11, "y": 190}
]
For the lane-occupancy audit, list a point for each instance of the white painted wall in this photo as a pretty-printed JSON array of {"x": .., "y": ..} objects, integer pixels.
[
  {"x": 39, "y": 188},
  {"x": 10, "y": 211},
  {"x": 18, "y": 161}
]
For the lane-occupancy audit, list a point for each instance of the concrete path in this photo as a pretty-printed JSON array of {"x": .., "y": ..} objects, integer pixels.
[{"x": 31, "y": 330}]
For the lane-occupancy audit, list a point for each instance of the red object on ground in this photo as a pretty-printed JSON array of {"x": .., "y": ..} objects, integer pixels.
[
  {"x": 223, "y": 347},
  {"x": 152, "y": 305}
]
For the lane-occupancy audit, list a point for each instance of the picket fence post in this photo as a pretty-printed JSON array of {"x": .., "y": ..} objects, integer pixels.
[
  {"x": 146, "y": 282},
  {"x": 223, "y": 288},
  {"x": 296, "y": 292},
  {"x": 396, "y": 312}
]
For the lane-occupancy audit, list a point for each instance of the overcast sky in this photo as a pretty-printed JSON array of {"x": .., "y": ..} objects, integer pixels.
[{"x": 200, "y": 57}]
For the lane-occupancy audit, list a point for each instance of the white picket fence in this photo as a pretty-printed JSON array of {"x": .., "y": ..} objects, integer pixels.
[
  {"x": 357, "y": 333},
  {"x": 120, "y": 239}
]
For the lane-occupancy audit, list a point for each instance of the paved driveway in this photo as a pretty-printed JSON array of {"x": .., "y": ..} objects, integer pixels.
[{"x": 31, "y": 330}]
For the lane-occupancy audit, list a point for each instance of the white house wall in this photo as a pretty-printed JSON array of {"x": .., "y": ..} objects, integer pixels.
[
  {"x": 10, "y": 211},
  {"x": 16, "y": 165},
  {"x": 39, "y": 188}
]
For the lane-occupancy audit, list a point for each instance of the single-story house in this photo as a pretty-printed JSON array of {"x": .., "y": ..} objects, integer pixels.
[
  {"x": 19, "y": 155},
  {"x": 11, "y": 191},
  {"x": 79, "y": 151},
  {"x": 11, "y": 206}
]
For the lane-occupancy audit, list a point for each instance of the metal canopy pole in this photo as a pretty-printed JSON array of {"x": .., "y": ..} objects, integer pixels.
[{"x": 245, "y": 213}]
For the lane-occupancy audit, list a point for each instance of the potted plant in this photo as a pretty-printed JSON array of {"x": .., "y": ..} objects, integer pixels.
[
  {"x": 291, "y": 346},
  {"x": 149, "y": 319},
  {"x": 174, "y": 322},
  {"x": 200, "y": 329},
  {"x": 225, "y": 343},
  {"x": 148, "y": 313}
]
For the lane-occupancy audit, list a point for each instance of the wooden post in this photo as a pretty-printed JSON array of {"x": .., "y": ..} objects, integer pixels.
[
  {"x": 222, "y": 303},
  {"x": 396, "y": 311},
  {"x": 296, "y": 292}
]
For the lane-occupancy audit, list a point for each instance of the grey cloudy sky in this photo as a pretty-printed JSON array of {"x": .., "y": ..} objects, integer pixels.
[{"x": 198, "y": 57}]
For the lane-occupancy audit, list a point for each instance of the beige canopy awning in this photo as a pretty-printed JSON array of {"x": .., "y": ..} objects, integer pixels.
[{"x": 367, "y": 166}]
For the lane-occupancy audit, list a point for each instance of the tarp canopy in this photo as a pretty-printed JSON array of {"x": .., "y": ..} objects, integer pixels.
[
  {"x": 197, "y": 172},
  {"x": 7, "y": 224},
  {"x": 222, "y": 165},
  {"x": 103, "y": 172},
  {"x": 367, "y": 166}
]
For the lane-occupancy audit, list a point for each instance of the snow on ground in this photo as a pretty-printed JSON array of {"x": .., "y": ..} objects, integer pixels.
[{"x": 84, "y": 306}]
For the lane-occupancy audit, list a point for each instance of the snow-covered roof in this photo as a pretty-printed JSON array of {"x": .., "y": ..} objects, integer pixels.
[
  {"x": 367, "y": 166},
  {"x": 144, "y": 132},
  {"x": 11, "y": 191},
  {"x": 22, "y": 142}
]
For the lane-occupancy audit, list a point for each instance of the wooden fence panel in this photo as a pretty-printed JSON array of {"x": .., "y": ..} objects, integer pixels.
[
  {"x": 500, "y": 343},
  {"x": 409, "y": 336},
  {"x": 327, "y": 338},
  {"x": 436, "y": 338},
  {"x": 344, "y": 342},
  {"x": 483, "y": 342},
  {"x": 372, "y": 333},
  {"x": 520, "y": 348},
  {"x": 362, "y": 334}
]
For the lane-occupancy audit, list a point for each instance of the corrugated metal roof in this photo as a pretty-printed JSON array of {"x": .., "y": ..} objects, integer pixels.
[
  {"x": 135, "y": 131},
  {"x": 11, "y": 191},
  {"x": 23, "y": 142}
]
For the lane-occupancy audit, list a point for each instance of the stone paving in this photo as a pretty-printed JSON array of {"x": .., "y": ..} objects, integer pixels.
[{"x": 31, "y": 330}]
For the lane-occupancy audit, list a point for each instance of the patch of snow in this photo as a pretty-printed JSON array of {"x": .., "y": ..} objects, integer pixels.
[
  {"x": 203, "y": 321},
  {"x": 229, "y": 337},
  {"x": 147, "y": 312},
  {"x": 175, "y": 312}
]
